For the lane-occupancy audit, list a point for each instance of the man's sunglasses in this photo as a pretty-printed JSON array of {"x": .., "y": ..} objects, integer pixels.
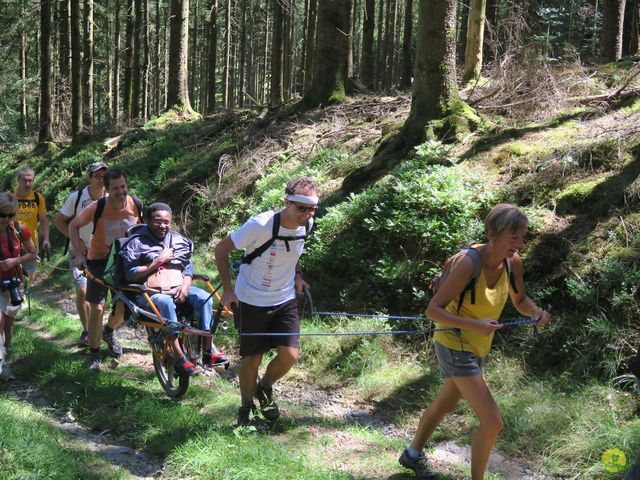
[
  {"x": 7, "y": 215},
  {"x": 302, "y": 209}
]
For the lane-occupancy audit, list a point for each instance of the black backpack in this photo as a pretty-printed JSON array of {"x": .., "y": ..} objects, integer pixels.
[
  {"x": 250, "y": 257},
  {"x": 114, "y": 270}
]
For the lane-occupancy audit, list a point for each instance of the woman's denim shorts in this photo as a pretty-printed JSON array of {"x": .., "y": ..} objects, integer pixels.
[{"x": 454, "y": 363}]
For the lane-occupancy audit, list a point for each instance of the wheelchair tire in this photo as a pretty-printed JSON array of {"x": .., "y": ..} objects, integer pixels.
[
  {"x": 164, "y": 365},
  {"x": 305, "y": 305}
]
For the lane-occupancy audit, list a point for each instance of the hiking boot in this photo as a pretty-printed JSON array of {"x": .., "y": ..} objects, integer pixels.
[
  {"x": 94, "y": 361},
  {"x": 83, "y": 341},
  {"x": 248, "y": 417},
  {"x": 215, "y": 360},
  {"x": 6, "y": 375},
  {"x": 110, "y": 339},
  {"x": 268, "y": 407},
  {"x": 419, "y": 465}
]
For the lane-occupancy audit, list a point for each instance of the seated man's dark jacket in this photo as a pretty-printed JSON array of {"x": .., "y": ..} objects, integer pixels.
[{"x": 144, "y": 247}]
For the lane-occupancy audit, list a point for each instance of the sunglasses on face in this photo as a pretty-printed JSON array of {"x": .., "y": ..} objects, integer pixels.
[
  {"x": 303, "y": 209},
  {"x": 7, "y": 215}
]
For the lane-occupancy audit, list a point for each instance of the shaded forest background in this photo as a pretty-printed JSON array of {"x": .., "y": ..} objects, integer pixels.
[{"x": 73, "y": 67}]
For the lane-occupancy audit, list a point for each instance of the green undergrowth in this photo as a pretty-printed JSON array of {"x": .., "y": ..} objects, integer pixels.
[
  {"x": 554, "y": 422},
  {"x": 32, "y": 447}
]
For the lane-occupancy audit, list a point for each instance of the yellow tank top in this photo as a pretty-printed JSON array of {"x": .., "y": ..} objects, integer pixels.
[{"x": 489, "y": 304}]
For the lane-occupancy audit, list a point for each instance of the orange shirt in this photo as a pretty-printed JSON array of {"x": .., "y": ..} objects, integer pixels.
[{"x": 112, "y": 224}]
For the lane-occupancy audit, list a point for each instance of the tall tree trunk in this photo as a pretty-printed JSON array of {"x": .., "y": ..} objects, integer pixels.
[
  {"x": 45, "y": 133},
  {"x": 116, "y": 64},
  {"x": 407, "y": 60},
  {"x": 127, "y": 106},
  {"x": 276, "y": 91},
  {"x": 178, "y": 93},
  {"x": 368, "y": 27},
  {"x": 350, "y": 29},
  {"x": 265, "y": 62},
  {"x": 310, "y": 39},
  {"x": 250, "y": 69},
  {"x": 379, "y": 67},
  {"x": 463, "y": 27},
  {"x": 287, "y": 47},
  {"x": 144, "y": 110},
  {"x": 491, "y": 33},
  {"x": 435, "y": 92},
  {"x": 137, "y": 61},
  {"x": 87, "y": 70},
  {"x": 329, "y": 57},
  {"x": 227, "y": 77},
  {"x": 611, "y": 38},
  {"x": 109, "y": 63},
  {"x": 76, "y": 70},
  {"x": 434, "y": 87},
  {"x": 475, "y": 40},
  {"x": 64, "y": 61},
  {"x": 23, "y": 73},
  {"x": 193, "y": 56},
  {"x": 213, "y": 48},
  {"x": 634, "y": 31},
  {"x": 387, "y": 58},
  {"x": 156, "y": 61},
  {"x": 243, "y": 52}
]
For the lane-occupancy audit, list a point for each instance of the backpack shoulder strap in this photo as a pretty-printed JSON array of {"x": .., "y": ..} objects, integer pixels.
[
  {"x": 75, "y": 207},
  {"x": 36, "y": 197},
  {"x": 99, "y": 209},
  {"x": 138, "y": 203},
  {"x": 250, "y": 257},
  {"x": 474, "y": 255},
  {"x": 508, "y": 265}
]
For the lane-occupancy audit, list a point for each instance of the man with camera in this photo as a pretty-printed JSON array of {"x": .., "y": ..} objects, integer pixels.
[
  {"x": 73, "y": 205},
  {"x": 16, "y": 249}
]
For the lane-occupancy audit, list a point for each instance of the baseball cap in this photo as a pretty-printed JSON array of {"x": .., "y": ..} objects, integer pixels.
[{"x": 94, "y": 167}]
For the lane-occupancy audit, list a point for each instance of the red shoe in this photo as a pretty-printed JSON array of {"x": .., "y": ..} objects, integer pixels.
[
  {"x": 185, "y": 367},
  {"x": 215, "y": 360}
]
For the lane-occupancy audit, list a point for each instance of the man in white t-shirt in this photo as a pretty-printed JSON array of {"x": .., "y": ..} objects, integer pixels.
[
  {"x": 73, "y": 205},
  {"x": 265, "y": 292}
]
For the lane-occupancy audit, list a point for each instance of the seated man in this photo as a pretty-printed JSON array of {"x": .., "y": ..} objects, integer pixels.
[{"x": 161, "y": 257}]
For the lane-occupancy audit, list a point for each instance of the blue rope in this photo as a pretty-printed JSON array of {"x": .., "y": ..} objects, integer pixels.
[
  {"x": 392, "y": 317},
  {"x": 518, "y": 321}
]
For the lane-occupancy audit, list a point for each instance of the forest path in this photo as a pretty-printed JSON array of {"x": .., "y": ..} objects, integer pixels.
[{"x": 332, "y": 404}]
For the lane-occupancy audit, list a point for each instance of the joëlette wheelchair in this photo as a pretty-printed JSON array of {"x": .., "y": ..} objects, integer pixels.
[{"x": 161, "y": 332}]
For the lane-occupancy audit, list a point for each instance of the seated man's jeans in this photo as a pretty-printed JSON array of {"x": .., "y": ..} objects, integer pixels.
[{"x": 166, "y": 307}]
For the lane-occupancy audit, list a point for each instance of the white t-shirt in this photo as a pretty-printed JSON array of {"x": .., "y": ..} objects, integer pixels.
[
  {"x": 67, "y": 211},
  {"x": 270, "y": 278}
]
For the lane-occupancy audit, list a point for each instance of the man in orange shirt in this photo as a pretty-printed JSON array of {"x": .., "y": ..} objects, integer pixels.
[
  {"x": 31, "y": 209},
  {"x": 112, "y": 216}
]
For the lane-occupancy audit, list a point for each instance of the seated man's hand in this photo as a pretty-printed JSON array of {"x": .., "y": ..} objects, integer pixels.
[
  {"x": 166, "y": 255},
  {"x": 182, "y": 294}
]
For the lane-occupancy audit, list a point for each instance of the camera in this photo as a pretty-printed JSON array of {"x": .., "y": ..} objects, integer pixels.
[{"x": 13, "y": 285}]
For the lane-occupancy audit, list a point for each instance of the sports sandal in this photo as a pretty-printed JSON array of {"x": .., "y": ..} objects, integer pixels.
[
  {"x": 217, "y": 359},
  {"x": 184, "y": 366}
]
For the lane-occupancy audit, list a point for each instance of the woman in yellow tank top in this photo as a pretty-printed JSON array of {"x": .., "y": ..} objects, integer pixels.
[{"x": 461, "y": 354}]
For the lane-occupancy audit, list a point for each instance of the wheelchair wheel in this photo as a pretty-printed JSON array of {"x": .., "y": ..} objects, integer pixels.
[
  {"x": 175, "y": 385},
  {"x": 305, "y": 305}
]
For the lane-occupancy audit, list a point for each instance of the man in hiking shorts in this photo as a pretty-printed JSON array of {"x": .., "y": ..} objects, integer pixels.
[
  {"x": 265, "y": 293},
  {"x": 31, "y": 210},
  {"x": 112, "y": 216},
  {"x": 73, "y": 205}
]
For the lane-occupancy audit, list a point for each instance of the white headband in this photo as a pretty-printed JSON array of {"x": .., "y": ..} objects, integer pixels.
[{"x": 302, "y": 199}]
